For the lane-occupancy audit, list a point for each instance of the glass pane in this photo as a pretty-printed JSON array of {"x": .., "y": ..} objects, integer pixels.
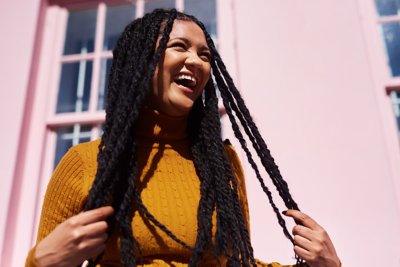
[
  {"x": 151, "y": 5},
  {"x": 69, "y": 136},
  {"x": 205, "y": 11},
  {"x": 81, "y": 31},
  {"x": 391, "y": 37},
  {"x": 104, "y": 71},
  {"x": 74, "y": 89},
  {"x": 116, "y": 19},
  {"x": 101, "y": 130},
  {"x": 395, "y": 96},
  {"x": 388, "y": 7}
]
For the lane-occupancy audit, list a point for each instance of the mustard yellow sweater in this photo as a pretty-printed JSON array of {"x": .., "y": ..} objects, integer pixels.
[{"x": 170, "y": 189}]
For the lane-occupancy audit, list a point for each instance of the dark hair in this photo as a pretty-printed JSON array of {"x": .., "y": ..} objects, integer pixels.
[{"x": 135, "y": 59}]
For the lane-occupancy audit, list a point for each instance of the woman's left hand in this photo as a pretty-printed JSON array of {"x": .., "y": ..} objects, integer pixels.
[{"x": 312, "y": 242}]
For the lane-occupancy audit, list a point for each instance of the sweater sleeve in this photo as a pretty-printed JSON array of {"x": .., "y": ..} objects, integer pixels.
[
  {"x": 239, "y": 175},
  {"x": 64, "y": 197}
]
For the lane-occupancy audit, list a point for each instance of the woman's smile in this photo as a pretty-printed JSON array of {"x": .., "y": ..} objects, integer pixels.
[{"x": 183, "y": 70}]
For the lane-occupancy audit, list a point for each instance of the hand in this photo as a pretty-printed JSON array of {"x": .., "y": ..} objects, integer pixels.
[
  {"x": 78, "y": 238},
  {"x": 312, "y": 242}
]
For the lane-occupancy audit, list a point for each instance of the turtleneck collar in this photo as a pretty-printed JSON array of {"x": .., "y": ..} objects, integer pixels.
[{"x": 154, "y": 125}]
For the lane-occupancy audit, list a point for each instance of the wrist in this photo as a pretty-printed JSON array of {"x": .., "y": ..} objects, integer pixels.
[{"x": 43, "y": 259}]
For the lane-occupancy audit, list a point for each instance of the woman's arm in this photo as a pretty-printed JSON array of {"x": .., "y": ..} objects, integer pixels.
[{"x": 64, "y": 232}]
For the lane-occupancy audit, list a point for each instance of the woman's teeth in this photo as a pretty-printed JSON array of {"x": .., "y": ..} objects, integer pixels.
[{"x": 186, "y": 80}]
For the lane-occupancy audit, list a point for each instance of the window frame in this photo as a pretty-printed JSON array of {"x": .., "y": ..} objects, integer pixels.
[
  {"x": 392, "y": 83},
  {"x": 58, "y": 13},
  {"x": 383, "y": 83},
  {"x": 37, "y": 142}
]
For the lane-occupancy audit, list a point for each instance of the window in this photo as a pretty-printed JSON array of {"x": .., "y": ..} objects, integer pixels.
[
  {"x": 90, "y": 35},
  {"x": 388, "y": 12}
]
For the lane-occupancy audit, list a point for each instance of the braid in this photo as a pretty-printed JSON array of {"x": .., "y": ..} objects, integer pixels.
[
  {"x": 135, "y": 60},
  {"x": 232, "y": 100},
  {"x": 232, "y": 239},
  {"x": 129, "y": 85}
]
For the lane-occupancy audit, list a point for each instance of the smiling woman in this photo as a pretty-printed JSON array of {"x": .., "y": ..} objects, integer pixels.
[
  {"x": 161, "y": 188},
  {"x": 183, "y": 71}
]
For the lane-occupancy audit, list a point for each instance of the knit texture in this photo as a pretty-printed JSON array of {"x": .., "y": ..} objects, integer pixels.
[{"x": 169, "y": 185}]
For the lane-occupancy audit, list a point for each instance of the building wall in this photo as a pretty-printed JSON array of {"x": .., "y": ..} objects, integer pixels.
[
  {"x": 308, "y": 75},
  {"x": 311, "y": 73},
  {"x": 18, "y": 21}
]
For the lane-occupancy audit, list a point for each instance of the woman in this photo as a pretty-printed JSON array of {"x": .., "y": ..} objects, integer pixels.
[{"x": 161, "y": 188}]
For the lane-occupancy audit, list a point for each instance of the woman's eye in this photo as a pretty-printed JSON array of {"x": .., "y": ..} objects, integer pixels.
[
  {"x": 179, "y": 46},
  {"x": 206, "y": 57}
]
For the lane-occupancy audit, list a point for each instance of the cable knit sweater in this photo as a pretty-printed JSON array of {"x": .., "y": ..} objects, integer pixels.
[{"x": 169, "y": 185}]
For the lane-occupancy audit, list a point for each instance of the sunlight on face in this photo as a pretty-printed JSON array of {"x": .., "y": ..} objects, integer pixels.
[{"x": 183, "y": 70}]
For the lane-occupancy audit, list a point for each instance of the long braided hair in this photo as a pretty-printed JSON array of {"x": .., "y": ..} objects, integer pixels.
[{"x": 135, "y": 59}]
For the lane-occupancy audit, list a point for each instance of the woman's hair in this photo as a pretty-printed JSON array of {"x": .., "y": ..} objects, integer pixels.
[{"x": 135, "y": 59}]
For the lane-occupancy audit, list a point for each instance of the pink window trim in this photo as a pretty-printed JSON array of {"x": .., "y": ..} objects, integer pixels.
[
  {"x": 387, "y": 19},
  {"x": 88, "y": 56},
  {"x": 93, "y": 116},
  {"x": 82, "y": 4},
  {"x": 15, "y": 199},
  {"x": 393, "y": 84}
]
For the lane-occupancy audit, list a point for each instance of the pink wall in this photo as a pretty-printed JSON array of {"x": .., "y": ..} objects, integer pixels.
[
  {"x": 306, "y": 74},
  {"x": 17, "y": 27},
  {"x": 311, "y": 72}
]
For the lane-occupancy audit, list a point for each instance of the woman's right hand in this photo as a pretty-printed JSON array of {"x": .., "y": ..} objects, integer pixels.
[{"x": 78, "y": 238}]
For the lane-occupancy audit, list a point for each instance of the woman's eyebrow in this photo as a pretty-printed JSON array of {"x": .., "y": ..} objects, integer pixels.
[{"x": 188, "y": 42}]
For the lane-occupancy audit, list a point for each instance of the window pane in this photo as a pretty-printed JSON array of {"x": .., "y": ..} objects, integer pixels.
[
  {"x": 101, "y": 130},
  {"x": 116, "y": 19},
  {"x": 81, "y": 30},
  {"x": 395, "y": 96},
  {"x": 205, "y": 11},
  {"x": 104, "y": 71},
  {"x": 151, "y": 5},
  {"x": 388, "y": 7},
  {"x": 391, "y": 37},
  {"x": 69, "y": 136},
  {"x": 74, "y": 89}
]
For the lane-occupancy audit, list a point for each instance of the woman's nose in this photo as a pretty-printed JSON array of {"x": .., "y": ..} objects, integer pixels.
[{"x": 193, "y": 60}]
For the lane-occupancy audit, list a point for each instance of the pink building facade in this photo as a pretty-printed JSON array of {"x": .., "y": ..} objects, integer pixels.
[{"x": 320, "y": 78}]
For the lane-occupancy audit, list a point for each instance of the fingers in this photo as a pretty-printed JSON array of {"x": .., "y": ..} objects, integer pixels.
[
  {"x": 303, "y": 231},
  {"x": 302, "y": 241},
  {"x": 99, "y": 214},
  {"x": 303, "y": 219},
  {"x": 311, "y": 242},
  {"x": 302, "y": 253},
  {"x": 93, "y": 244},
  {"x": 92, "y": 247},
  {"x": 95, "y": 229}
]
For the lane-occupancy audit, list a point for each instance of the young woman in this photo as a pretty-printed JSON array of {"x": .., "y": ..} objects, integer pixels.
[{"x": 161, "y": 188}]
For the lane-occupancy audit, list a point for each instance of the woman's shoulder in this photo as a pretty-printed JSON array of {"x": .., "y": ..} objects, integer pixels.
[
  {"x": 80, "y": 158},
  {"x": 86, "y": 149},
  {"x": 78, "y": 167},
  {"x": 87, "y": 153},
  {"x": 231, "y": 152}
]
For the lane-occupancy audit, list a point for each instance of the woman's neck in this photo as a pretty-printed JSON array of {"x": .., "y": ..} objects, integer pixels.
[{"x": 152, "y": 124}]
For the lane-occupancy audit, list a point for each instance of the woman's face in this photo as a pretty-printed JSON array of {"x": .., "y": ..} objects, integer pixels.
[{"x": 183, "y": 70}]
